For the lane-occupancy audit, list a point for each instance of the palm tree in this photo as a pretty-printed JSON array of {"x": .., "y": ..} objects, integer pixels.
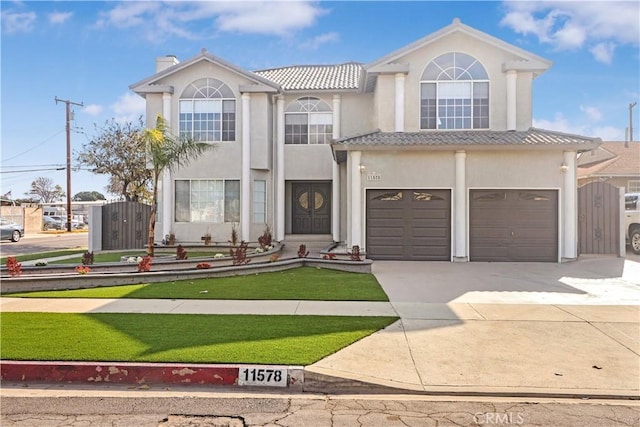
[{"x": 167, "y": 152}]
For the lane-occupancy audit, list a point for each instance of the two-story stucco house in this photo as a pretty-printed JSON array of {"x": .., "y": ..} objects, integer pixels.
[{"x": 425, "y": 154}]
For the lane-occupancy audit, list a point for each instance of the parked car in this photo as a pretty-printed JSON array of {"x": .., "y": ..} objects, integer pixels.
[
  {"x": 75, "y": 221},
  {"x": 51, "y": 223},
  {"x": 632, "y": 221},
  {"x": 10, "y": 230}
]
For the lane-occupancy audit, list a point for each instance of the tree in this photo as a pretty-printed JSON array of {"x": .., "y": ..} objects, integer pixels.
[
  {"x": 166, "y": 152},
  {"x": 88, "y": 196},
  {"x": 44, "y": 191},
  {"x": 119, "y": 150}
]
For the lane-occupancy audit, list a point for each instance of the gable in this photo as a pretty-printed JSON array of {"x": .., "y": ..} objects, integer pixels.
[
  {"x": 462, "y": 38},
  {"x": 161, "y": 81}
]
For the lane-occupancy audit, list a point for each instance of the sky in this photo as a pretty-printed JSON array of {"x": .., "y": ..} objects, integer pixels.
[{"x": 89, "y": 52}]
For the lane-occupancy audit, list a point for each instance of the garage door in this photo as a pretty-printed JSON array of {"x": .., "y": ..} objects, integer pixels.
[
  {"x": 409, "y": 224},
  {"x": 513, "y": 225}
]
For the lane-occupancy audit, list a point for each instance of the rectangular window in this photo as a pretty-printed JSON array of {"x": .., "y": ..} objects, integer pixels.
[
  {"x": 203, "y": 200},
  {"x": 454, "y": 105},
  {"x": 633, "y": 186},
  {"x": 259, "y": 201},
  {"x": 295, "y": 129},
  {"x": 208, "y": 120}
]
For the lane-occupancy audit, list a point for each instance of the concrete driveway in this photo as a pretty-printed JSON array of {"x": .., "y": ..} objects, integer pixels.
[
  {"x": 529, "y": 329},
  {"x": 590, "y": 280}
]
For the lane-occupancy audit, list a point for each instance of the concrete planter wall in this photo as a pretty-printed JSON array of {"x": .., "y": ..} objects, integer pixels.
[{"x": 116, "y": 277}]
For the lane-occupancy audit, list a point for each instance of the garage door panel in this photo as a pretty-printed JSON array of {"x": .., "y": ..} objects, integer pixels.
[
  {"x": 513, "y": 225},
  {"x": 422, "y": 216}
]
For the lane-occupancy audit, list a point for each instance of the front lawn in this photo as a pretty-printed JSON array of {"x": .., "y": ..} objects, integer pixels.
[
  {"x": 304, "y": 283},
  {"x": 43, "y": 255},
  {"x": 185, "y": 338}
]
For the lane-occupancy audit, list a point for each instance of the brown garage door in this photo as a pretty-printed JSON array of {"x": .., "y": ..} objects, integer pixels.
[
  {"x": 513, "y": 225},
  {"x": 409, "y": 225}
]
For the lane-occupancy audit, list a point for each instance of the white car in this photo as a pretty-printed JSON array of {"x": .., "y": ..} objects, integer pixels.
[{"x": 632, "y": 220}]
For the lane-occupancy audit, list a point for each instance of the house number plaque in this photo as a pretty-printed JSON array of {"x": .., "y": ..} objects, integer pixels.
[{"x": 374, "y": 176}]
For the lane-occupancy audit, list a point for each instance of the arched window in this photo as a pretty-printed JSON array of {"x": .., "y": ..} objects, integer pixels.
[
  {"x": 308, "y": 121},
  {"x": 208, "y": 111},
  {"x": 454, "y": 93}
]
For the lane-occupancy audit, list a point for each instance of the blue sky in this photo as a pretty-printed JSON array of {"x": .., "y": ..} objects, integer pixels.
[{"x": 91, "y": 52}]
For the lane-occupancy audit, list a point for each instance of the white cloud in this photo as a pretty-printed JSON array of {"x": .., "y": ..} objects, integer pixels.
[
  {"x": 592, "y": 112},
  {"x": 317, "y": 41},
  {"x": 599, "y": 26},
  {"x": 93, "y": 109},
  {"x": 129, "y": 107},
  {"x": 561, "y": 124},
  {"x": 157, "y": 20},
  {"x": 603, "y": 52},
  {"x": 18, "y": 22},
  {"x": 59, "y": 17}
]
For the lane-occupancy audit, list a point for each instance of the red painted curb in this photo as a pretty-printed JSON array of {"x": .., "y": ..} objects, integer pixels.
[{"x": 118, "y": 373}]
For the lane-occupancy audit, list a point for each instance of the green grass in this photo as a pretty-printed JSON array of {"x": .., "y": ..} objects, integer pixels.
[
  {"x": 116, "y": 256},
  {"x": 304, "y": 283},
  {"x": 186, "y": 338},
  {"x": 41, "y": 255}
]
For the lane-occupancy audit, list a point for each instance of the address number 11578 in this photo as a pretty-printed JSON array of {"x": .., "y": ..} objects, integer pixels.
[{"x": 262, "y": 376}]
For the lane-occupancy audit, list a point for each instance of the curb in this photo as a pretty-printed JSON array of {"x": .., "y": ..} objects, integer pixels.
[
  {"x": 140, "y": 374},
  {"x": 290, "y": 378}
]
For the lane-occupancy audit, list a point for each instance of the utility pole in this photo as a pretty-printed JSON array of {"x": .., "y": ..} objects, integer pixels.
[
  {"x": 68, "y": 110},
  {"x": 631, "y": 121}
]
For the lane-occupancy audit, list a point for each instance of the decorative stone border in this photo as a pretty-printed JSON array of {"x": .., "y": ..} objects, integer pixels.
[{"x": 64, "y": 281}]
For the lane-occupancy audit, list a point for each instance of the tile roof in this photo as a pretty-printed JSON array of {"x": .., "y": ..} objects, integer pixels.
[
  {"x": 315, "y": 77},
  {"x": 531, "y": 137},
  {"x": 611, "y": 159}
]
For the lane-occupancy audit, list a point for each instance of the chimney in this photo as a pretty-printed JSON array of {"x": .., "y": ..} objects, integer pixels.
[{"x": 164, "y": 62}]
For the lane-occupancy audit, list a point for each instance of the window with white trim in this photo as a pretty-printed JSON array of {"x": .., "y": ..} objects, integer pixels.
[
  {"x": 633, "y": 186},
  {"x": 208, "y": 111},
  {"x": 207, "y": 200},
  {"x": 454, "y": 93},
  {"x": 308, "y": 120},
  {"x": 259, "y": 201}
]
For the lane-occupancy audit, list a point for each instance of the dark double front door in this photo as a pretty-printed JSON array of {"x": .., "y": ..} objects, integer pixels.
[{"x": 311, "y": 204}]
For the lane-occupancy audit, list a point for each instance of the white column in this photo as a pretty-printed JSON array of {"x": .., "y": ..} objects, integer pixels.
[
  {"x": 167, "y": 199},
  {"x": 460, "y": 207},
  {"x": 570, "y": 211},
  {"x": 399, "y": 102},
  {"x": 356, "y": 199},
  {"x": 512, "y": 78},
  {"x": 335, "y": 174},
  {"x": 280, "y": 193},
  {"x": 245, "y": 181}
]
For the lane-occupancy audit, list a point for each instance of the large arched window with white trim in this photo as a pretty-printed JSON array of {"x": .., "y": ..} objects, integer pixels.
[
  {"x": 208, "y": 111},
  {"x": 308, "y": 120},
  {"x": 454, "y": 93}
]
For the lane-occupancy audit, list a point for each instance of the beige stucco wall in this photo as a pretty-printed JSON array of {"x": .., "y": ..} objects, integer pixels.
[
  {"x": 491, "y": 58},
  {"x": 408, "y": 169},
  {"x": 357, "y": 113},
  {"x": 308, "y": 162},
  {"x": 515, "y": 169}
]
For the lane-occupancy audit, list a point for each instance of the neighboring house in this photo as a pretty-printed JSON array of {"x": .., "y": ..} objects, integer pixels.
[
  {"x": 617, "y": 163},
  {"x": 425, "y": 154}
]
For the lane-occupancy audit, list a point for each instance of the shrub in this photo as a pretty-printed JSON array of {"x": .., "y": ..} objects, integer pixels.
[
  {"x": 302, "y": 251},
  {"x": 13, "y": 267},
  {"x": 81, "y": 269},
  {"x": 41, "y": 264},
  {"x": 234, "y": 236},
  {"x": 206, "y": 238},
  {"x": 274, "y": 258},
  {"x": 218, "y": 255},
  {"x": 354, "y": 255},
  {"x": 87, "y": 258},
  {"x": 329, "y": 256},
  {"x": 239, "y": 254},
  {"x": 203, "y": 266},
  {"x": 181, "y": 253},
  {"x": 144, "y": 264},
  {"x": 265, "y": 240}
]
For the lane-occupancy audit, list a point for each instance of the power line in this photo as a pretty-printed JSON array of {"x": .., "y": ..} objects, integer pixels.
[{"x": 35, "y": 146}]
